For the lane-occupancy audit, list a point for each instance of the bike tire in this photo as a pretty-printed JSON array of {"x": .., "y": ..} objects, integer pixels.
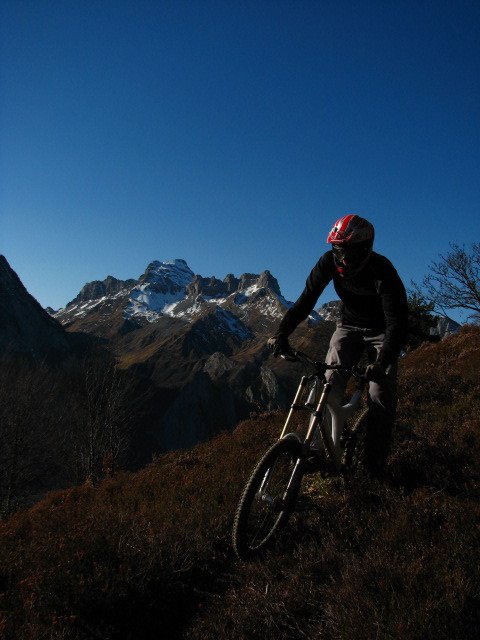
[
  {"x": 355, "y": 452},
  {"x": 325, "y": 427},
  {"x": 259, "y": 517}
]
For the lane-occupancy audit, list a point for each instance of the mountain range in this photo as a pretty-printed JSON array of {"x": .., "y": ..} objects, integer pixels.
[
  {"x": 200, "y": 341},
  {"x": 243, "y": 306},
  {"x": 196, "y": 344}
]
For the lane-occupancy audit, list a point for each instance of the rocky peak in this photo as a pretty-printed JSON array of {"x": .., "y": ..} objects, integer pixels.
[
  {"x": 331, "y": 310},
  {"x": 206, "y": 286},
  {"x": 100, "y": 288},
  {"x": 247, "y": 280},
  {"x": 167, "y": 276},
  {"x": 214, "y": 287},
  {"x": 231, "y": 283},
  {"x": 263, "y": 281},
  {"x": 266, "y": 280}
]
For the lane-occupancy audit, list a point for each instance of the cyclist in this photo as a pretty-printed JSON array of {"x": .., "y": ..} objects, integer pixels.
[{"x": 374, "y": 315}]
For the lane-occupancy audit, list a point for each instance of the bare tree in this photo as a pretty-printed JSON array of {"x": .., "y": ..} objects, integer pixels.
[
  {"x": 60, "y": 426},
  {"x": 454, "y": 281},
  {"x": 101, "y": 436},
  {"x": 28, "y": 432},
  {"x": 421, "y": 318}
]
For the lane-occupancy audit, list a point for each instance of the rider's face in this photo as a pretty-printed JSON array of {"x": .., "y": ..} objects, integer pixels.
[{"x": 350, "y": 255}]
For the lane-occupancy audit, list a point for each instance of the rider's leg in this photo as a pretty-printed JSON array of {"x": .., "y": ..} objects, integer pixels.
[
  {"x": 346, "y": 347},
  {"x": 382, "y": 402}
]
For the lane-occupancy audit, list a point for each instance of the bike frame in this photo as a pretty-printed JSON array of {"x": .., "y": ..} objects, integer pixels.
[{"x": 338, "y": 412}]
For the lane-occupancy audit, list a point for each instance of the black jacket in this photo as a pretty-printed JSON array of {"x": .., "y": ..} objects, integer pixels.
[{"x": 374, "y": 298}]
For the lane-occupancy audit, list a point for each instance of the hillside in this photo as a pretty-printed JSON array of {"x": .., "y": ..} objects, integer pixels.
[
  {"x": 147, "y": 554},
  {"x": 26, "y": 329}
]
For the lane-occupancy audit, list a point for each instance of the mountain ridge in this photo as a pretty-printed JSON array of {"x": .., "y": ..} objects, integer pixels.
[
  {"x": 171, "y": 288},
  {"x": 164, "y": 327}
]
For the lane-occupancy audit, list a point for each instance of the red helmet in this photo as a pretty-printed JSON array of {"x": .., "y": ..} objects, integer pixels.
[
  {"x": 352, "y": 242},
  {"x": 351, "y": 228}
]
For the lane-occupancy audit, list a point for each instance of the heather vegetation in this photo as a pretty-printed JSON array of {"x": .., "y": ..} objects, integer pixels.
[{"x": 148, "y": 555}]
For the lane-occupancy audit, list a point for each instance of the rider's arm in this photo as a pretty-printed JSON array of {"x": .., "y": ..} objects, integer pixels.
[
  {"x": 395, "y": 308},
  {"x": 318, "y": 279}
]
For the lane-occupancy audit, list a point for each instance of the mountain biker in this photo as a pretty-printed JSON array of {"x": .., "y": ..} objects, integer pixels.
[{"x": 374, "y": 316}]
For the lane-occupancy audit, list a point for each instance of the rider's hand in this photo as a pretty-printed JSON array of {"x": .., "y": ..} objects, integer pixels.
[
  {"x": 374, "y": 372},
  {"x": 279, "y": 345}
]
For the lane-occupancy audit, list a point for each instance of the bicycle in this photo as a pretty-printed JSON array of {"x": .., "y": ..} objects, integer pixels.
[{"x": 271, "y": 492}]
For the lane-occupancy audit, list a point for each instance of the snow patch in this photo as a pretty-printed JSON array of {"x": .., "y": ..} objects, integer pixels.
[
  {"x": 272, "y": 304},
  {"x": 251, "y": 290},
  {"x": 148, "y": 303}
]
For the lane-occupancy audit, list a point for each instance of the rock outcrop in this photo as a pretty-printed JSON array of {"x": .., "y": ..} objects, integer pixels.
[
  {"x": 330, "y": 310},
  {"x": 101, "y": 288}
]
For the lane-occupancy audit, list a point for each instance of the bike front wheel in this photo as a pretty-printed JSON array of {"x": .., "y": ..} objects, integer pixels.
[{"x": 268, "y": 498}]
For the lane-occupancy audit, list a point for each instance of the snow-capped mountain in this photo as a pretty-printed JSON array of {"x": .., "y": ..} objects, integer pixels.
[
  {"x": 198, "y": 342},
  {"x": 445, "y": 326},
  {"x": 161, "y": 287},
  {"x": 195, "y": 347},
  {"x": 250, "y": 303}
]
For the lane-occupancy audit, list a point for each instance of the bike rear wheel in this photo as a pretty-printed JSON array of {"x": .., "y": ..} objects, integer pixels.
[
  {"x": 268, "y": 498},
  {"x": 355, "y": 453}
]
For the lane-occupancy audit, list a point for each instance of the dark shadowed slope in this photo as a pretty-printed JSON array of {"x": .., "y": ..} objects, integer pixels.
[
  {"x": 148, "y": 554},
  {"x": 25, "y": 327}
]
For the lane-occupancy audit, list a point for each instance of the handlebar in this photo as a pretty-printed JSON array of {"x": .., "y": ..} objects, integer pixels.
[{"x": 322, "y": 367}]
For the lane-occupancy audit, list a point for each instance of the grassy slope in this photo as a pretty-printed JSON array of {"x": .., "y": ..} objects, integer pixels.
[{"x": 147, "y": 555}]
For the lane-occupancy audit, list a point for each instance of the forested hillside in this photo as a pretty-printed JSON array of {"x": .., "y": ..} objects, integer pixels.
[{"x": 148, "y": 554}]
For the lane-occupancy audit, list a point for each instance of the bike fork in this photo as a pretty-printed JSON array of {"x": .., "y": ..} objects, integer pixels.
[
  {"x": 317, "y": 415},
  {"x": 266, "y": 497},
  {"x": 295, "y": 404}
]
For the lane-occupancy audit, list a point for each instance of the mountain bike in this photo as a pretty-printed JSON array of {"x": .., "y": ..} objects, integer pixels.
[{"x": 271, "y": 492}]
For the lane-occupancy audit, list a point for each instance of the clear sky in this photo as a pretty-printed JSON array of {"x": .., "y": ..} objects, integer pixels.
[{"x": 233, "y": 134}]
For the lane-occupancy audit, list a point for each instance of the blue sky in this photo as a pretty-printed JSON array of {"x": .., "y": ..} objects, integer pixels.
[{"x": 233, "y": 134}]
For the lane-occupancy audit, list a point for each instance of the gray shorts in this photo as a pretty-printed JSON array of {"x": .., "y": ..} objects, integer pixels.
[{"x": 347, "y": 345}]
